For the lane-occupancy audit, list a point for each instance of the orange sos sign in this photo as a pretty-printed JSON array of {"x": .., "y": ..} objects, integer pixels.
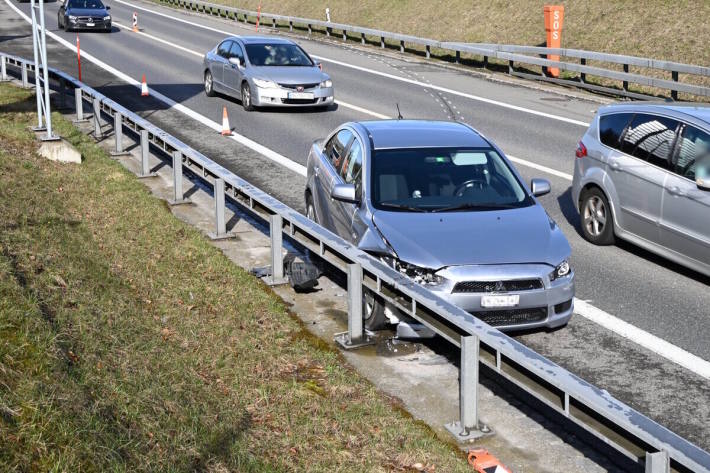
[{"x": 554, "y": 16}]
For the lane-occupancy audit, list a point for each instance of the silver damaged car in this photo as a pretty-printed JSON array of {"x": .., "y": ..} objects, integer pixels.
[
  {"x": 266, "y": 72},
  {"x": 443, "y": 205}
]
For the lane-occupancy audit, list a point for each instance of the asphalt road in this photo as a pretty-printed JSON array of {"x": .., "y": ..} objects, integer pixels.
[{"x": 629, "y": 283}]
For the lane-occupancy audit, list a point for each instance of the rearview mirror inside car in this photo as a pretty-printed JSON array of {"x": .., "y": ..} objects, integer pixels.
[
  {"x": 539, "y": 187},
  {"x": 345, "y": 193}
]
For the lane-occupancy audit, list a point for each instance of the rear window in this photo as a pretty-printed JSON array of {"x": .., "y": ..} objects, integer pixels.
[
  {"x": 651, "y": 138},
  {"x": 612, "y": 126}
]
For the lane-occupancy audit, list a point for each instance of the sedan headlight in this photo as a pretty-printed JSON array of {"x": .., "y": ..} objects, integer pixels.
[
  {"x": 423, "y": 276},
  {"x": 72, "y": 18},
  {"x": 265, "y": 84},
  {"x": 107, "y": 18},
  {"x": 326, "y": 83},
  {"x": 561, "y": 270}
]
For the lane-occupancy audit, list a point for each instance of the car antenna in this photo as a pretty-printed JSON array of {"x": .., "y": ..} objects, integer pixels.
[{"x": 399, "y": 114}]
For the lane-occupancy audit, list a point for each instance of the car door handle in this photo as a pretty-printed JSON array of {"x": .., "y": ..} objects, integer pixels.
[{"x": 674, "y": 190}]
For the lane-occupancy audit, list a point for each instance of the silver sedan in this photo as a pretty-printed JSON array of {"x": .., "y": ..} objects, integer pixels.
[
  {"x": 443, "y": 205},
  {"x": 263, "y": 71}
]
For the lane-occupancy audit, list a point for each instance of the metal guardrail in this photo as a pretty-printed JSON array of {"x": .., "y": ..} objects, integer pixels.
[
  {"x": 632, "y": 434},
  {"x": 508, "y": 53}
]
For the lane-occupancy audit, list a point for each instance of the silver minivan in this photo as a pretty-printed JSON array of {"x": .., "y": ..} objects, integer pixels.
[{"x": 642, "y": 173}]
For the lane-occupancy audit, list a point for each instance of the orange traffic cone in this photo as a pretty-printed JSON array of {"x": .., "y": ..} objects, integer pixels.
[
  {"x": 226, "y": 130},
  {"x": 484, "y": 462},
  {"x": 144, "y": 87},
  {"x": 135, "y": 22}
]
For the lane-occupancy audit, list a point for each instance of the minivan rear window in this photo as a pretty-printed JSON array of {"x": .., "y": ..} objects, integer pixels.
[
  {"x": 651, "y": 138},
  {"x": 612, "y": 126}
]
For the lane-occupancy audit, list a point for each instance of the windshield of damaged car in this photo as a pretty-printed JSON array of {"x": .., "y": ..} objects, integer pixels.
[
  {"x": 277, "y": 55},
  {"x": 87, "y": 4},
  {"x": 444, "y": 180}
]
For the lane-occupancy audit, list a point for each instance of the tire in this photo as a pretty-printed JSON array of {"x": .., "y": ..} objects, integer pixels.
[
  {"x": 373, "y": 312},
  {"x": 209, "y": 84},
  {"x": 596, "y": 218},
  {"x": 311, "y": 208},
  {"x": 246, "y": 97}
]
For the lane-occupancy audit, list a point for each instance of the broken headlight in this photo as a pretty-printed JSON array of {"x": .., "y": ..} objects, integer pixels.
[{"x": 423, "y": 276}]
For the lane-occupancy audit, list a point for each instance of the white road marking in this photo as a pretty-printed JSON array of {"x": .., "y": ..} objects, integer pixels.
[
  {"x": 259, "y": 148},
  {"x": 384, "y": 74},
  {"x": 651, "y": 342}
]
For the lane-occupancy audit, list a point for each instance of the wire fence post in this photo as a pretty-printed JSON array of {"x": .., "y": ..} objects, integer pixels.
[{"x": 178, "y": 194}]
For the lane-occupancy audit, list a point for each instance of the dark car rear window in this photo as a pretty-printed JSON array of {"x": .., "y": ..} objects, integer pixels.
[{"x": 612, "y": 126}]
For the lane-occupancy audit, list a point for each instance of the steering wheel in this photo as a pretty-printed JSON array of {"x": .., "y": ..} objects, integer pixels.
[{"x": 460, "y": 190}]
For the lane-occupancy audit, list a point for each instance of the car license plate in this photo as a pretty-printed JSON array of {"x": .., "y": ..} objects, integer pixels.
[
  {"x": 89, "y": 24},
  {"x": 301, "y": 95},
  {"x": 504, "y": 300}
]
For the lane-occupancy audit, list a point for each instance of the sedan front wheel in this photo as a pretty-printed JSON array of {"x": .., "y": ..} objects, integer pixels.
[
  {"x": 209, "y": 84},
  {"x": 246, "y": 97}
]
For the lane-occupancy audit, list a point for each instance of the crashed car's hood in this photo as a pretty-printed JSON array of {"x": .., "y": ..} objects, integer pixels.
[
  {"x": 289, "y": 74},
  {"x": 511, "y": 236}
]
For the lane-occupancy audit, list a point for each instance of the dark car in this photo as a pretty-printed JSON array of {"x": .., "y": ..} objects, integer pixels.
[{"x": 84, "y": 15}]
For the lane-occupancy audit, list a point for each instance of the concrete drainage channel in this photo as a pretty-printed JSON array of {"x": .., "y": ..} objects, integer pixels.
[{"x": 561, "y": 397}]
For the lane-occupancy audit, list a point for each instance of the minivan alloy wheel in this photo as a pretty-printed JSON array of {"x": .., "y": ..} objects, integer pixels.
[{"x": 594, "y": 217}]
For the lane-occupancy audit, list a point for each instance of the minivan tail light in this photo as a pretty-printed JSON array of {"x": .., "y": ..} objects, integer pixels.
[{"x": 581, "y": 150}]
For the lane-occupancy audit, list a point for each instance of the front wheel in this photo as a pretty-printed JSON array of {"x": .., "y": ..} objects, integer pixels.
[
  {"x": 311, "y": 209},
  {"x": 246, "y": 97},
  {"x": 209, "y": 84},
  {"x": 597, "y": 220}
]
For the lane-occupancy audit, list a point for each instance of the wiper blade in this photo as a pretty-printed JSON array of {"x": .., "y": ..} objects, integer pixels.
[
  {"x": 472, "y": 205},
  {"x": 402, "y": 207}
]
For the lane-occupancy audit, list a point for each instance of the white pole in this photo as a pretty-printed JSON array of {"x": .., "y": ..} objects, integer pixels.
[
  {"x": 35, "y": 46},
  {"x": 47, "y": 108}
]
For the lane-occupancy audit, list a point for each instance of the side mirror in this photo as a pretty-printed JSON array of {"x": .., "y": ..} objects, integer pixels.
[
  {"x": 318, "y": 64},
  {"x": 539, "y": 187},
  {"x": 703, "y": 184},
  {"x": 345, "y": 193},
  {"x": 108, "y": 8},
  {"x": 235, "y": 61}
]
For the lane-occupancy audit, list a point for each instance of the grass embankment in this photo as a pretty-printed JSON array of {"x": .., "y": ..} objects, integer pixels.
[
  {"x": 129, "y": 343},
  {"x": 660, "y": 29}
]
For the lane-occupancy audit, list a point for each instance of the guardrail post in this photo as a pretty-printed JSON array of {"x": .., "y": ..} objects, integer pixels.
[
  {"x": 674, "y": 93},
  {"x": 485, "y": 62},
  {"x": 355, "y": 336},
  {"x": 657, "y": 462},
  {"x": 273, "y": 23},
  {"x": 345, "y": 35},
  {"x": 178, "y": 194},
  {"x": 468, "y": 427},
  {"x": 458, "y": 57},
  {"x": 246, "y": 18},
  {"x": 362, "y": 38},
  {"x": 24, "y": 76},
  {"x": 382, "y": 42},
  {"x": 145, "y": 152},
  {"x": 582, "y": 75},
  {"x": 401, "y": 46},
  {"x": 310, "y": 30},
  {"x": 428, "y": 51},
  {"x": 277, "y": 259},
  {"x": 510, "y": 67},
  {"x": 290, "y": 25},
  {"x": 98, "y": 134},
  {"x": 79, "y": 106},
  {"x": 3, "y": 69},
  {"x": 118, "y": 135},
  {"x": 327, "y": 30},
  {"x": 220, "y": 232},
  {"x": 626, "y": 83}
]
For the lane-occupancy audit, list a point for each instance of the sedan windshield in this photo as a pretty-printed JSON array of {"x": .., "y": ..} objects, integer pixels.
[
  {"x": 444, "y": 180},
  {"x": 277, "y": 55},
  {"x": 88, "y": 4}
]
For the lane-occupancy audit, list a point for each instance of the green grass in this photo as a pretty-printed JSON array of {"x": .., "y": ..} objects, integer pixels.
[{"x": 129, "y": 343}]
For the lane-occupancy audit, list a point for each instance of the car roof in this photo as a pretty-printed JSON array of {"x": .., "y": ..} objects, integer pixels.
[
  {"x": 261, "y": 40},
  {"x": 698, "y": 111},
  {"x": 392, "y": 134}
]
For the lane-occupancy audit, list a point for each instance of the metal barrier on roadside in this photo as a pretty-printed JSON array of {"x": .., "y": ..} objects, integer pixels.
[
  {"x": 632, "y": 434},
  {"x": 510, "y": 54}
]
